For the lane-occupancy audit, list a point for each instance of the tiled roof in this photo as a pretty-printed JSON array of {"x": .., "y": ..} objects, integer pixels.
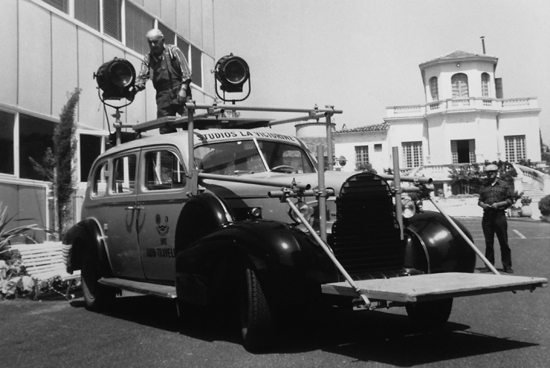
[
  {"x": 369, "y": 128},
  {"x": 458, "y": 54}
]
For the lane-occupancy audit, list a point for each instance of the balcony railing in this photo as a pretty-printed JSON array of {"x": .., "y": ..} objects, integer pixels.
[{"x": 458, "y": 104}]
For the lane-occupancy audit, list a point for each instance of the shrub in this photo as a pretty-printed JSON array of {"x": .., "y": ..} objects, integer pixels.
[{"x": 544, "y": 206}]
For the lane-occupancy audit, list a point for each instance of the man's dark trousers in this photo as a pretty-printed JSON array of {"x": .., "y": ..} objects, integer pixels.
[{"x": 494, "y": 222}]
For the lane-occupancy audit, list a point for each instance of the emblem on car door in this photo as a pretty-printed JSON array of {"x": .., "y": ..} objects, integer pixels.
[{"x": 162, "y": 227}]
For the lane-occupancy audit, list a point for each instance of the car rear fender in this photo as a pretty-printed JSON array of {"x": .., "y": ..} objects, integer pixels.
[{"x": 86, "y": 234}]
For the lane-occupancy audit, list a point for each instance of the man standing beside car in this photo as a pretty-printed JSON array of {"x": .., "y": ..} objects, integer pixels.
[
  {"x": 495, "y": 197},
  {"x": 167, "y": 68}
]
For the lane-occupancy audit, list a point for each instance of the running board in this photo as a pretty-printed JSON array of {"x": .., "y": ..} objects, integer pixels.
[
  {"x": 163, "y": 291},
  {"x": 420, "y": 288}
]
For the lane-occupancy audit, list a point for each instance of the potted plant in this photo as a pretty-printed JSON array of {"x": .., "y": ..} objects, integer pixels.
[
  {"x": 525, "y": 206},
  {"x": 544, "y": 207},
  {"x": 515, "y": 211}
]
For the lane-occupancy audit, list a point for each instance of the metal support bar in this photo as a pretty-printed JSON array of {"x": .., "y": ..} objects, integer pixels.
[
  {"x": 321, "y": 199},
  {"x": 329, "y": 143},
  {"x": 190, "y": 105},
  {"x": 193, "y": 172},
  {"x": 470, "y": 243},
  {"x": 328, "y": 251},
  {"x": 299, "y": 118},
  {"x": 398, "y": 191}
]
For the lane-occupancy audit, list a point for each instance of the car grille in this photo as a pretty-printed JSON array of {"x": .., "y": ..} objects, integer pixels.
[{"x": 366, "y": 235}]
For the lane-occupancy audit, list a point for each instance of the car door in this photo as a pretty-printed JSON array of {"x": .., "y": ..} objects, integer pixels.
[
  {"x": 161, "y": 197},
  {"x": 121, "y": 217}
]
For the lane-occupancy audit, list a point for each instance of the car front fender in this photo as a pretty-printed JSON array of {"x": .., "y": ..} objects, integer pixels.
[
  {"x": 285, "y": 260},
  {"x": 434, "y": 245}
]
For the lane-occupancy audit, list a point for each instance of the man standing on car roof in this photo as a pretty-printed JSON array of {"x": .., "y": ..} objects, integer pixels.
[
  {"x": 169, "y": 71},
  {"x": 495, "y": 196}
]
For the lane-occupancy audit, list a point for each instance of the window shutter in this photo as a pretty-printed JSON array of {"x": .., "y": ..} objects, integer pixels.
[
  {"x": 137, "y": 25},
  {"x": 499, "y": 88},
  {"x": 112, "y": 19}
]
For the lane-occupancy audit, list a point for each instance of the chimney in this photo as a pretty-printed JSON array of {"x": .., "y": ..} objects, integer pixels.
[{"x": 483, "y": 43}]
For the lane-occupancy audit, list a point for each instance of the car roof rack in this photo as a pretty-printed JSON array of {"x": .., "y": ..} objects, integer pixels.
[
  {"x": 215, "y": 117},
  {"x": 215, "y": 122}
]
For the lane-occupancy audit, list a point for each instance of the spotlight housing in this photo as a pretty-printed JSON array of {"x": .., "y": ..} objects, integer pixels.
[
  {"x": 232, "y": 72},
  {"x": 116, "y": 78}
]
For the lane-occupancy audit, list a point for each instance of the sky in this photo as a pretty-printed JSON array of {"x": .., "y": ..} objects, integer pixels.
[{"x": 362, "y": 56}]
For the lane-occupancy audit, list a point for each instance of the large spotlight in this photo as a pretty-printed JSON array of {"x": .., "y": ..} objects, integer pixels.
[
  {"x": 116, "y": 78},
  {"x": 232, "y": 72}
]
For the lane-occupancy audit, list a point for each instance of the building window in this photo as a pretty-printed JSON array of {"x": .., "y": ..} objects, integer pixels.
[
  {"x": 90, "y": 148},
  {"x": 169, "y": 35},
  {"x": 112, "y": 18},
  {"x": 361, "y": 157},
  {"x": 460, "y": 85},
  {"x": 138, "y": 24},
  {"x": 434, "y": 89},
  {"x": 515, "y": 148},
  {"x": 35, "y": 137},
  {"x": 412, "y": 154},
  {"x": 6, "y": 143},
  {"x": 485, "y": 85},
  {"x": 378, "y": 147},
  {"x": 62, "y": 5},
  {"x": 463, "y": 151},
  {"x": 196, "y": 66},
  {"x": 87, "y": 11},
  {"x": 183, "y": 46}
]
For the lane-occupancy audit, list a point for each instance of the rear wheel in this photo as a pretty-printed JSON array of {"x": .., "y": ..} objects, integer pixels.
[
  {"x": 432, "y": 315},
  {"x": 257, "y": 327},
  {"x": 97, "y": 297}
]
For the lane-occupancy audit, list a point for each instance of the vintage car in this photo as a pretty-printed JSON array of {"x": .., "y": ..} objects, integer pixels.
[{"x": 232, "y": 219}]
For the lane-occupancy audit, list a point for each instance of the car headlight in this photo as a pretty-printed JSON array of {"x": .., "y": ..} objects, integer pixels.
[
  {"x": 409, "y": 208},
  {"x": 305, "y": 209}
]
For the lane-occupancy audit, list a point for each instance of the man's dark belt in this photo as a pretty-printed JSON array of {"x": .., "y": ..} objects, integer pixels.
[{"x": 166, "y": 86}]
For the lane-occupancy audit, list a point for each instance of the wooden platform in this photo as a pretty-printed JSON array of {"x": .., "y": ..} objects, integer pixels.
[{"x": 435, "y": 286}]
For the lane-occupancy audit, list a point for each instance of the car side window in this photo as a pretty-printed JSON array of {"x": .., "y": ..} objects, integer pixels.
[
  {"x": 100, "y": 180},
  {"x": 124, "y": 172},
  {"x": 163, "y": 170}
]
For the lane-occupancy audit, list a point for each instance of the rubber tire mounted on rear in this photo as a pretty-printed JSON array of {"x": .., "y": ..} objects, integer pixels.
[
  {"x": 98, "y": 298},
  {"x": 257, "y": 327},
  {"x": 430, "y": 316}
]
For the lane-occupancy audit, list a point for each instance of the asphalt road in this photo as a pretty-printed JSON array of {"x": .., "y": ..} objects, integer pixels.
[{"x": 498, "y": 330}]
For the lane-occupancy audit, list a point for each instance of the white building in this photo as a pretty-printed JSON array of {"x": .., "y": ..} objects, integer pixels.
[
  {"x": 465, "y": 119},
  {"x": 52, "y": 47}
]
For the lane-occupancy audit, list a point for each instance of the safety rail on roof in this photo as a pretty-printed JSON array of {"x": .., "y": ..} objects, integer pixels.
[{"x": 214, "y": 117}]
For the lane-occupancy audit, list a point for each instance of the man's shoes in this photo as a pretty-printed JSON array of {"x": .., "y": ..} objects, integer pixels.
[{"x": 508, "y": 270}]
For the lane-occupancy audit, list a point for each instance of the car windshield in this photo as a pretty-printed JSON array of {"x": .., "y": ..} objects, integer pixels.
[{"x": 244, "y": 157}]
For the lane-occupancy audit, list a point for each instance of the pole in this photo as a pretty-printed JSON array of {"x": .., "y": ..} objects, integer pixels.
[
  {"x": 398, "y": 190},
  {"x": 329, "y": 143},
  {"x": 322, "y": 194}
]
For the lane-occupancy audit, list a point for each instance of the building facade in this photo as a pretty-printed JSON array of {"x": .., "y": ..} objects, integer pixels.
[
  {"x": 465, "y": 119},
  {"x": 53, "y": 47}
]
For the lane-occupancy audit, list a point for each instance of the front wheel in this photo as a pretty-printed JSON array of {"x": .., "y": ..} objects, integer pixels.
[
  {"x": 97, "y": 297},
  {"x": 257, "y": 327},
  {"x": 430, "y": 316}
]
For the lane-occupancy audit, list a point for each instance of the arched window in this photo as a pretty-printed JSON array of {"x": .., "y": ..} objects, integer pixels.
[
  {"x": 460, "y": 85},
  {"x": 485, "y": 85},
  {"x": 433, "y": 89}
]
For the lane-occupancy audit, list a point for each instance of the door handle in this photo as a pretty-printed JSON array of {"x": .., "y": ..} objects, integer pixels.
[{"x": 133, "y": 208}]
